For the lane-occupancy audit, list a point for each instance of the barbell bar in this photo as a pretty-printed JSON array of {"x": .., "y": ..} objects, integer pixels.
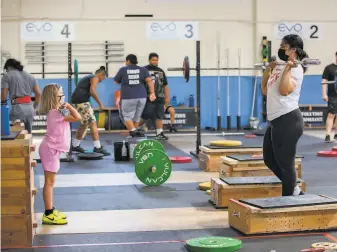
[
  {"x": 330, "y": 82},
  {"x": 186, "y": 66},
  {"x": 305, "y": 62}
]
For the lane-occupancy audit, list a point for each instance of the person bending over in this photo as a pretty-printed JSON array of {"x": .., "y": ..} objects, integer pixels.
[
  {"x": 56, "y": 141},
  {"x": 132, "y": 79},
  {"x": 154, "y": 110},
  {"x": 170, "y": 110},
  {"x": 20, "y": 85},
  {"x": 282, "y": 86},
  {"x": 330, "y": 74},
  {"x": 85, "y": 89}
]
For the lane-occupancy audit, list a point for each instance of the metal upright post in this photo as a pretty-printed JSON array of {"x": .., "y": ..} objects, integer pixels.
[
  {"x": 70, "y": 73},
  {"x": 43, "y": 57},
  {"x": 198, "y": 142},
  {"x": 107, "y": 58}
]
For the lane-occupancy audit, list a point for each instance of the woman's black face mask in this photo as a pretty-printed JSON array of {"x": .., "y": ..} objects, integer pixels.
[{"x": 282, "y": 55}]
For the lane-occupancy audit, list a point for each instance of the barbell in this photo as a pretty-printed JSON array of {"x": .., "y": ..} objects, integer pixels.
[
  {"x": 186, "y": 66},
  {"x": 305, "y": 62}
]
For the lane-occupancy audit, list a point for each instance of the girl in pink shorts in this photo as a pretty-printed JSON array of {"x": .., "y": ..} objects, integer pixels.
[{"x": 56, "y": 141}]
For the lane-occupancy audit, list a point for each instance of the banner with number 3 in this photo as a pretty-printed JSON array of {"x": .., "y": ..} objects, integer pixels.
[{"x": 172, "y": 30}]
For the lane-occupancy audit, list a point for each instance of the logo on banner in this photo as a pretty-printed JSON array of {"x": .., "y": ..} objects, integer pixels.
[
  {"x": 157, "y": 27},
  {"x": 304, "y": 30},
  {"x": 36, "y": 27}
]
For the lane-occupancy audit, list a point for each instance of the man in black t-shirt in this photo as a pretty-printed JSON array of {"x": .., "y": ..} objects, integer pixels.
[
  {"x": 155, "y": 110},
  {"x": 330, "y": 96}
]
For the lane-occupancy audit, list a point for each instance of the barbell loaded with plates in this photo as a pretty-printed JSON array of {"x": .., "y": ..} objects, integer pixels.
[
  {"x": 305, "y": 62},
  {"x": 152, "y": 166},
  {"x": 186, "y": 66}
]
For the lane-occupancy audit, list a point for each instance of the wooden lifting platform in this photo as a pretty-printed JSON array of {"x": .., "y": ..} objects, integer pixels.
[
  {"x": 224, "y": 189},
  {"x": 283, "y": 214},
  {"x": 243, "y": 165},
  {"x": 209, "y": 156}
]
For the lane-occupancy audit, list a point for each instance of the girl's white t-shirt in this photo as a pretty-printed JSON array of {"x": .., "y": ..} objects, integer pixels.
[{"x": 278, "y": 105}]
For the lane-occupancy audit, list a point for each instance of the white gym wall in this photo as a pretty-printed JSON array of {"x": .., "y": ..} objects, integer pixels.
[{"x": 239, "y": 22}]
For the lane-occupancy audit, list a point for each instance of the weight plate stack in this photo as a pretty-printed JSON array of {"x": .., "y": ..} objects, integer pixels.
[
  {"x": 153, "y": 167},
  {"x": 213, "y": 244}
]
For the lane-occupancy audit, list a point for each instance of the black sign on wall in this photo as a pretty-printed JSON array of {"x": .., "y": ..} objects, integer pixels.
[
  {"x": 317, "y": 115},
  {"x": 186, "y": 118},
  {"x": 40, "y": 122}
]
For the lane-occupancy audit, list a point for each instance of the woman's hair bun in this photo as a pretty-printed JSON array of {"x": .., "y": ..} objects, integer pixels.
[{"x": 102, "y": 68}]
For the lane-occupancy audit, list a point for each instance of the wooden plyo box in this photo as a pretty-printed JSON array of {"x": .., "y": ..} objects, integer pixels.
[
  {"x": 242, "y": 165},
  {"x": 209, "y": 156},
  {"x": 303, "y": 215},
  {"x": 245, "y": 188},
  {"x": 18, "y": 221}
]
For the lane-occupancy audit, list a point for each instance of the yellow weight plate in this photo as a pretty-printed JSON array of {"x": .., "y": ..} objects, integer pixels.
[
  {"x": 205, "y": 186},
  {"x": 208, "y": 192},
  {"x": 101, "y": 119},
  {"x": 326, "y": 245},
  {"x": 225, "y": 143}
]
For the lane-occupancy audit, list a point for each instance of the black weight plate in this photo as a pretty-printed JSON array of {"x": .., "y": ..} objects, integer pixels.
[
  {"x": 90, "y": 156},
  {"x": 186, "y": 67}
]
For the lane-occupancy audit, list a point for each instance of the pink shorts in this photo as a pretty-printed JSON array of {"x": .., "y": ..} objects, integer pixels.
[{"x": 50, "y": 158}]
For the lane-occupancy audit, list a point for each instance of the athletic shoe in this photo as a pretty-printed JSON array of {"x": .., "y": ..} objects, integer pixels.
[
  {"x": 327, "y": 139},
  {"x": 139, "y": 134},
  {"x": 161, "y": 136},
  {"x": 53, "y": 219},
  {"x": 77, "y": 149},
  {"x": 335, "y": 137},
  {"x": 302, "y": 193},
  {"x": 59, "y": 214},
  {"x": 102, "y": 151},
  {"x": 173, "y": 129}
]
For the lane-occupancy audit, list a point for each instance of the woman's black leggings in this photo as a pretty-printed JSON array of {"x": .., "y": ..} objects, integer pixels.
[{"x": 279, "y": 148}]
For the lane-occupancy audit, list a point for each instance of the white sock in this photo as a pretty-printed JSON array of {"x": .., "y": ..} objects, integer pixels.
[
  {"x": 133, "y": 129},
  {"x": 76, "y": 142},
  {"x": 97, "y": 144},
  {"x": 297, "y": 190},
  {"x": 159, "y": 131}
]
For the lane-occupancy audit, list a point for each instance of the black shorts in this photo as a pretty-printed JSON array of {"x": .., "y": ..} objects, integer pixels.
[
  {"x": 332, "y": 105},
  {"x": 153, "y": 111},
  {"x": 167, "y": 109}
]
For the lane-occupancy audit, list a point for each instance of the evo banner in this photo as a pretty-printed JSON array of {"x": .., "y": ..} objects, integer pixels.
[{"x": 304, "y": 30}]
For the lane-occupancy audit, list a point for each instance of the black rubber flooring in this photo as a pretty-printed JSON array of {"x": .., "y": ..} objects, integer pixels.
[{"x": 319, "y": 173}]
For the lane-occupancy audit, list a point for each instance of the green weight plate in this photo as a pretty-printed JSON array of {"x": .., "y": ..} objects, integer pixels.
[
  {"x": 153, "y": 167},
  {"x": 146, "y": 145},
  {"x": 213, "y": 244},
  {"x": 76, "y": 71}
]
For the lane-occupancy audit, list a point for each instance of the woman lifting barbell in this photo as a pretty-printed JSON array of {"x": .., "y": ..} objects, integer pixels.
[{"x": 282, "y": 85}]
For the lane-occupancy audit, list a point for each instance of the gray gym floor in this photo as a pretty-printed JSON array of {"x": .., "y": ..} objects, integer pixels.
[{"x": 84, "y": 188}]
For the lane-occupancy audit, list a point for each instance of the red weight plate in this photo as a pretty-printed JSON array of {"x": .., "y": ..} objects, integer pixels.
[
  {"x": 334, "y": 148},
  {"x": 181, "y": 159},
  {"x": 250, "y": 136},
  {"x": 327, "y": 153},
  {"x": 313, "y": 250}
]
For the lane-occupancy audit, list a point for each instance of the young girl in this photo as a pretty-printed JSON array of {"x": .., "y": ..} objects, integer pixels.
[{"x": 56, "y": 141}]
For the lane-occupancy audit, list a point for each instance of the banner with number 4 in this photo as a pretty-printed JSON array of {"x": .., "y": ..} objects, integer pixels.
[{"x": 48, "y": 31}]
